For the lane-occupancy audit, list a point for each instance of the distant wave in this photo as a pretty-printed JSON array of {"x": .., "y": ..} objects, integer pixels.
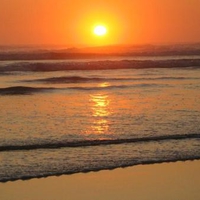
[
  {"x": 98, "y": 65},
  {"x": 84, "y": 143},
  {"x": 21, "y": 90},
  {"x": 80, "y": 79},
  {"x": 73, "y": 79},
  {"x": 108, "y": 51}
]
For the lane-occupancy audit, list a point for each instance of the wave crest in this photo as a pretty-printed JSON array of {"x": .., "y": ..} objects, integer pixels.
[{"x": 84, "y": 143}]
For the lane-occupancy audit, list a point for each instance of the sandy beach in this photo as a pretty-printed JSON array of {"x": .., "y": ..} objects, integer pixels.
[{"x": 174, "y": 181}]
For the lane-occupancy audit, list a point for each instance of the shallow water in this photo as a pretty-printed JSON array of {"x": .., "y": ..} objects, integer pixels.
[{"x": 69, "y": 121}]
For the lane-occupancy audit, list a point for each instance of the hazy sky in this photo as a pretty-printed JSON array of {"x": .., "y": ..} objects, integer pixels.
[{"x": 65, "y": 22}]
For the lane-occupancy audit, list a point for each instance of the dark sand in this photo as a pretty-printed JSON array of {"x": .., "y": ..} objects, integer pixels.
[{"x": 167, "y": 181}]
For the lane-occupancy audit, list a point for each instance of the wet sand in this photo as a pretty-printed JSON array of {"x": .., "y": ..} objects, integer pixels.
[{"x": 174, "y": 181}]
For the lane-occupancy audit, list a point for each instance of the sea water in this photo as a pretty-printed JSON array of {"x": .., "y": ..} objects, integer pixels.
[{"x": 69, "y": 116}]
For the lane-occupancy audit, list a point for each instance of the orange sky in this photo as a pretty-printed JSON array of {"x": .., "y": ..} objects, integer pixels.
[{"x": 70, "y": 22}]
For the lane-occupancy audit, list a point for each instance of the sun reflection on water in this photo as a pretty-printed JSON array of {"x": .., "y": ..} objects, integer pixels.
[
  {"x": 105, "y": 84},
  {"x": 100, "y": 107}
]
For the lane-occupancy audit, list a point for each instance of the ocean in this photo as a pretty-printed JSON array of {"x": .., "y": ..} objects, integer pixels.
[{"x": 81, "y": 115}]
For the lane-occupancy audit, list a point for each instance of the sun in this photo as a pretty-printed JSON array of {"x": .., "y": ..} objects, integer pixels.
[{"x": 100, "y": 30}]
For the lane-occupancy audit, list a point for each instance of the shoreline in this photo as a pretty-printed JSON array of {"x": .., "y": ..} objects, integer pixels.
[
  {"x": 29, "y": 178},
  {"x": 173, "y": 180}
]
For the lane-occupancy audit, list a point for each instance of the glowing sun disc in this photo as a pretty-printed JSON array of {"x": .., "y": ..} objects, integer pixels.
[{"x": 100, "y": 30}]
